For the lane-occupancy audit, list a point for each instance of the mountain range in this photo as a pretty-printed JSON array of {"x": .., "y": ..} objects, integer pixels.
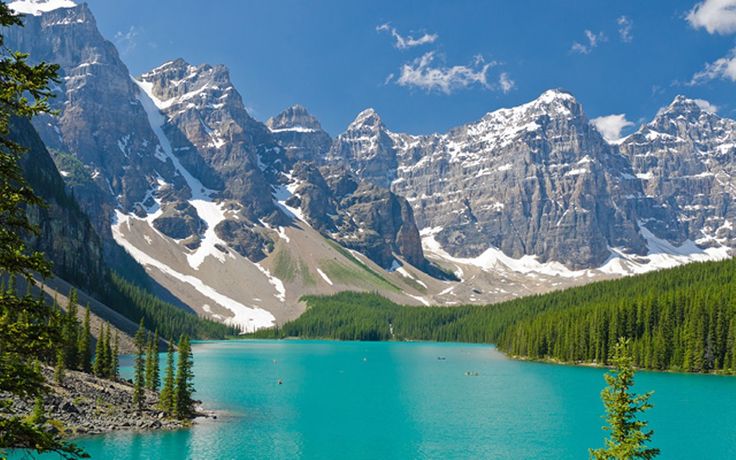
[{"x": 238, "y": 218}]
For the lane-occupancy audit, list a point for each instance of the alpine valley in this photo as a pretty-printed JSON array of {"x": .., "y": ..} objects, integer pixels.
[{"x": 237, "y": 218}]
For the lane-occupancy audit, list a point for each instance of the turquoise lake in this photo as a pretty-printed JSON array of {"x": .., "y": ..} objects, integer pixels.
[{"x": 358, "y": 400}]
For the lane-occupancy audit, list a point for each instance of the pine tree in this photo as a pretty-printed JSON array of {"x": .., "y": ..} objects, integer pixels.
[
  {"x": 183, "y": 385},
  {"x": 83, "y": 351},
  {"x": 152, "y": 364},
  {"x": 38, "y": 416},
  {"x": 97, "y": 367},
  {"x": 167, "y": 391},
  {"x": 71, "y": 332},
  {"x": 115, "y": 366},
  {"x": 107, "y": 354},
  {"x": 59, "y": 367},
  {"x": 628, "y": 437},
  {"x": 139, "y": 377}
]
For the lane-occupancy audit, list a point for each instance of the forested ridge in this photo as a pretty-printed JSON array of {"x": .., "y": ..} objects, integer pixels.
[{"x": 677, "y": 319}]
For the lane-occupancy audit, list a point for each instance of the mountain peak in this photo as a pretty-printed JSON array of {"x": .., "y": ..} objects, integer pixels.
[
  {"x": 38, "y": 7},
  {"x": 295, "y": 117},
  {"x": 556, "y": 94},
  {"x": 368, "y": 117},
  {"x": 684, "y": 105}
]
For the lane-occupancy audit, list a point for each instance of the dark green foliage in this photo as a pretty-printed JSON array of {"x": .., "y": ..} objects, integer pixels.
[
  {"x": 167, "y": 391},
  {"x": 628, "y": 435},
  {"x": 152, "y": 364},
  {"x": 70, "y": 333},
  {"x": 681, "y": 319},
  {"x": 29, "y": 328},
  {"x": 103, "y": 365},
  {"x": 135, "y": 302},
  {"x": 98, "y": 366},
  {"x": 59, "y": 367},
  {"x": 115, "y": 364},
  {"x": 139, "y": 377},
  {"x": 83, "y": 345},
  {"x": 183, "y": 385}
]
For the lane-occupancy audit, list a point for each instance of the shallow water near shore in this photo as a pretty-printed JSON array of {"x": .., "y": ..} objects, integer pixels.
[{"x": 359, "y": 400}]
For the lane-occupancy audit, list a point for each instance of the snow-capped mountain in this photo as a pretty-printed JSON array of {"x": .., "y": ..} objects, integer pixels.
[{"x": 239, "y": 218}]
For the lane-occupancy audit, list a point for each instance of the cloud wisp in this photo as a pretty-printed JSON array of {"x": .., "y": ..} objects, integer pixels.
[
  {"x": 593, "y": 40},
  {"x": 715, "y": 16},
  {"x": 625, "y": 24},
  {"x": 723, "y": 68},
  {"x": 404, "y": 42},
  {"x": 610, "y": 126},
  {"x": 424, "y": 73},
  {"x": 127, "y": 41}
]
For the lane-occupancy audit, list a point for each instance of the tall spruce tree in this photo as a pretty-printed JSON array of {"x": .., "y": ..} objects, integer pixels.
[
  {"x": 98, "y": 366},
  {"x": 83, "y": 350},
  {"x": 139, "y": 376},
  {"x": 115, "y": 366},
  {"x": 152, "y": 364},
  {"x": 107, "y": 354},
  {"x": 24, "y": 92},
  {"x": 70, "y": 334},
  {"x": 184, "y": 385},
  {"x": 166, "y": 396},
  {"x": 628, "y": 435}
]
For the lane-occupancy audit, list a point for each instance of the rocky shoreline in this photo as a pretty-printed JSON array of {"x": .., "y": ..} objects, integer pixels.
[{"x": 86, "y": 405}]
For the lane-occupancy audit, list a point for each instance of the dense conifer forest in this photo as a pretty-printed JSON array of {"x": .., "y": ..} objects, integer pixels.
[{"x": 680, "y": 319}]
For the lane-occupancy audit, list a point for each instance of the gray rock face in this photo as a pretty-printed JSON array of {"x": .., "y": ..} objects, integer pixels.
[
  {"x": 532, "y": 180},
  {"x": 368, "y": 148},
  {"x": 299, "y": 134},
  {"x": 358, "y": 214},
  {"x": 686, "y": 160},
  {"x": 101, "y": 121},
  {"x": 212, "y": 133}
]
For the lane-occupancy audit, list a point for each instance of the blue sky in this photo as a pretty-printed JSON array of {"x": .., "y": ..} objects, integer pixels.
[{"x": 430, "y": 65}]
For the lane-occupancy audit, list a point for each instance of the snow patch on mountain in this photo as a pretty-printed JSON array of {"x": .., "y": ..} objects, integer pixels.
[
  {"x": 245, "y": 317},
  {"x": 660, "y": 254},
  {"x": 38, "y": 7}
]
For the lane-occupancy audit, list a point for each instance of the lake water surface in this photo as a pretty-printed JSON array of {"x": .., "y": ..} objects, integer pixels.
[{"x": 358, "y": 400}]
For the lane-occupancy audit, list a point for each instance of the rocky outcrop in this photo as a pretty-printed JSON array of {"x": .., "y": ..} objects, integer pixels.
[
  {"x": 532, "y": 180},
  {"x": 101, "y": 121},
  {"x": 357, "y": 213},
  {"x": 686, "y": 160},
  {"x": 300, "y": 135},
  {"x": 84, "y": 405},
  {"x": 212, "y": 133},
  {"x": 244, "y": 239},
  {"x": 179, "y": 220}
]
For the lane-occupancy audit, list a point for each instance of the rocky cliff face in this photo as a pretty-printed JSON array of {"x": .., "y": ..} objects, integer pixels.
[
  {"x": 65, "y": 233},
  {"x": 357, "y": 213},
  {"x": 686, "y": 160},
  {"x": 299, "y": 134},
  {"x": 532, "y": 180},
  {"x": 101, "y": 123}
]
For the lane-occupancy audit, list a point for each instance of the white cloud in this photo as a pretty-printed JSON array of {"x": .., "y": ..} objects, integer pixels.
[
  {"x": 593, "y": 41},
  {"x": 715, "y": 16},
  {"x": 705, "y": 105},
  {"x": 421, "y": 73},
  {"x": 724, "y": 68},
  {"x": 625, "y": 25},
  {"x": 505, "y": 82},
  {"x": 126, "y": 42},
  {"x": 404, "y": 42},
  {"x": 610, "y": 126}
]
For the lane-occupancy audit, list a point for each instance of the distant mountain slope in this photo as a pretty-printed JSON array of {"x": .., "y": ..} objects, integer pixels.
[{"x": 681, "y": 319}]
